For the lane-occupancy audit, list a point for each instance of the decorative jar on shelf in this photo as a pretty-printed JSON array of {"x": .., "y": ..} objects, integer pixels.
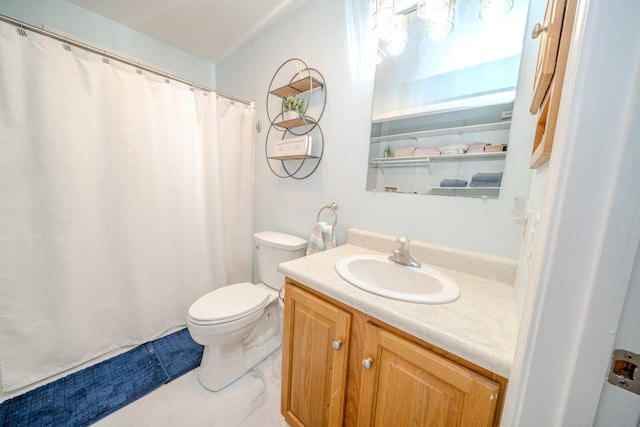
[
  {"x": 290, "y": 115},
  {"x": 292, "y": 107}
]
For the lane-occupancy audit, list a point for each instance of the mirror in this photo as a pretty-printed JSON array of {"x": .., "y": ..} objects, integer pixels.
[{"x": 453, "y": 93}]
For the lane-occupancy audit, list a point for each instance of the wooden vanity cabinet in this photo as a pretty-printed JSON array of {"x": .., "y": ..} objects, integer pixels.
[
  {"x": 314, "y": 360},
  {"x": 379, "y": 376},
  {"x": 408, "y": 385}
]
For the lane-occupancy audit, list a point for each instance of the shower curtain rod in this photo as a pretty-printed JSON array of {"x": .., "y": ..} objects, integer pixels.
[{"x": 118, "y": 58}]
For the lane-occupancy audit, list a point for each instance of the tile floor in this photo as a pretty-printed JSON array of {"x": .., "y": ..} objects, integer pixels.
[{"x": 251, "y": 401}]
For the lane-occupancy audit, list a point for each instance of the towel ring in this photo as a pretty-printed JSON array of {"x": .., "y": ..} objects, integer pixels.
[{"x": 332, "y": 206}]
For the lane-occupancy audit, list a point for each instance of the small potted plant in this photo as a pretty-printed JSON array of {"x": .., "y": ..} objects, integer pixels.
[{"x": 292, "y": 107}]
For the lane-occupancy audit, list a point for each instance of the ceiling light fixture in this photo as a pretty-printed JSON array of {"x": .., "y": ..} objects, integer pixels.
[
  {"x": 433, "y": 9},
  {"x": 397, "y": 42},
  {"x": 392, "y": 30},
  {"x": 383, "y": 18},
  {"x": 439, "y": 15}
]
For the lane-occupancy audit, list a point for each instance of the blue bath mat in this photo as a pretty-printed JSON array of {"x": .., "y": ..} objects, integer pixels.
[
  {"x": 178, "y": 353},
  {"x": 86, "y": 396}
]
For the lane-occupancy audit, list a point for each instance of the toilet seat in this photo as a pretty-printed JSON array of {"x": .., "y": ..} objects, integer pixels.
[{"x": 227, "y": 304}]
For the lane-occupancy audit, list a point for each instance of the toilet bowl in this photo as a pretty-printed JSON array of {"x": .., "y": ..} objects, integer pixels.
[{"x": 239, "y": 325}]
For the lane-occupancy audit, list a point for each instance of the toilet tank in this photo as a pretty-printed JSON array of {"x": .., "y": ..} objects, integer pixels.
[{"x": 274, "y": 248}]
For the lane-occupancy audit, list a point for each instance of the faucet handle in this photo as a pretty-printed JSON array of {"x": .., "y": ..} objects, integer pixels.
[
  {"x": 403, "y": 242},
  {"x": 401, "y": 255}
]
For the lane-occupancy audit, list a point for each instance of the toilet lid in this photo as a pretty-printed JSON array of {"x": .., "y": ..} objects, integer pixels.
[{"x": 228, "y": 303}]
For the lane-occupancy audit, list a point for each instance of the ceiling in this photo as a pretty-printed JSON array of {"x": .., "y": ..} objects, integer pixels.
[{"x": 208, "y": 29}]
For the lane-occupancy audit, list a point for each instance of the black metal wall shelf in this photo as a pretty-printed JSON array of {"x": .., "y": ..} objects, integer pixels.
[{"x": 295, "y": 77}]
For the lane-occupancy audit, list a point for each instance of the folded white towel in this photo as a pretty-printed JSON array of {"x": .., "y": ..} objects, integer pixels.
[
  {"x": 426, "y": 151},
  {"x": 454, "y": 148},
  {"x": 404, "y": 151},
  {"x": 323, "y": 237}
]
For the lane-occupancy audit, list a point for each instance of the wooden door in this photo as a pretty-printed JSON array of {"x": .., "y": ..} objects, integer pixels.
[
  {"x": 314, "y": 360},
  {"x": 408, "y": 385}
]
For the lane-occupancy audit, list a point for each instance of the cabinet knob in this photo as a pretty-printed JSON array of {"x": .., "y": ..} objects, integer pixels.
[
  {"x": 367, "y": 363},
  {"x": 538, "y": 29},
  {"x": 337, "y": 344}
]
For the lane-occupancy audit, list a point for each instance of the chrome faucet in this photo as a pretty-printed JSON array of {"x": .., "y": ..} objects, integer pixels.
[{"x": 402, "y": 255}]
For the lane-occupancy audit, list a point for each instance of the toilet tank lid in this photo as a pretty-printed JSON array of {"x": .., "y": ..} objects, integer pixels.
[{"x": 280, "y": 240}]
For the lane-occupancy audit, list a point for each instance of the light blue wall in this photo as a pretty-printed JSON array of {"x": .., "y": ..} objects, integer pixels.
[
  {"x": 318, "y": 33},
  {"x": 94, "y": 29}
]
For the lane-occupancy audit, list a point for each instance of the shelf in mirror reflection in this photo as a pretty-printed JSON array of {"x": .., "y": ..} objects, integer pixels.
[
  {"x": 422, "y": 175},
  {"x": 484, "y": 127},
  {"x": 473, "y": 192},
  {"x": 479, "y": 192},
  {"x": 400, "y": 161}
]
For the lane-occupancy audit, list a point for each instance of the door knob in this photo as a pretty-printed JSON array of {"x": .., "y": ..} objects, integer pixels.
[
  {"x": 337, "y": 344},
  {"x": 538, "y": 29},
  {"x": 367, "y": 363}
]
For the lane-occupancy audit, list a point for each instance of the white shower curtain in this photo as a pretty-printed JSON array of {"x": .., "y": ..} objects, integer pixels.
[{"x": 123, "y": 198}]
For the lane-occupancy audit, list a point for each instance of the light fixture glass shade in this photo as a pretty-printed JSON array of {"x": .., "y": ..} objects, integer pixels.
[
  {"x": 423, "y": 11},
  {"x": 434, "y": 9},
  {"x": 399, "y": 39},
  {"x": 383, "y": 18},
  {"x": 494, "y": 10},
  {"x": 441, "y": 26}
]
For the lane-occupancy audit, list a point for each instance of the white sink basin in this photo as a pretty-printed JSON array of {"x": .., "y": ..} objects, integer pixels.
[{"x": 378, "y": 275}]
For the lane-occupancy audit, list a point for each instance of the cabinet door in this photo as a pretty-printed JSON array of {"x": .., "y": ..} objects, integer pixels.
[
  {"x": 408, "y": 385},
  {"x": 314, "y": 360},
  {"x": 548, "y": 51},
  {"x": 548, "y": 87}
]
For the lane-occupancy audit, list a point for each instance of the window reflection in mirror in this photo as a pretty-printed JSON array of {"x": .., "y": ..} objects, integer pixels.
[{"x": 467, "y": 78}]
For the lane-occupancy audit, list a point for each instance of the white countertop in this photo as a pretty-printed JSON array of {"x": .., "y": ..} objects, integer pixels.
[{"x": 480, "y": 326}]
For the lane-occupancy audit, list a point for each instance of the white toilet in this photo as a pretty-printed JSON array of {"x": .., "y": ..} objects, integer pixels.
[{"x": 241, "y": 324}]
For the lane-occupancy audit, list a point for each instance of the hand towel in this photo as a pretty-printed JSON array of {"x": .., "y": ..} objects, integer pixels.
[
  {"x": 484, "y": 183},
  {"x": 453, "y": 183},
  {"x": 323, "y": 237},
  {"x": 454, "y": 149},
  {"x": 404, "y": 151},
  {"x": 486, "y": 180},
  {"x": 487, "y": 177},
  {"x": 426, "y": 151}
]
